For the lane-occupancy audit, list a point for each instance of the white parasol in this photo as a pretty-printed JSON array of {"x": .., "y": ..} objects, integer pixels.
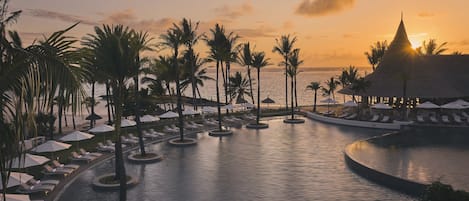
[{"x": 29, "y": 160}]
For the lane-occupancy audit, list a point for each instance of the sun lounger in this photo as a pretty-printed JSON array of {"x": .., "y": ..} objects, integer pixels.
[
  {"x": 132, "y": 136},
  {"x": 51, "y": 182},
  {"x": 190, "y": 126},
  {"x": 149, "y": 135},
  {"x": 445, "y": 119},
  {"x": 196, "y": 124},
  {"x": 208, "y": 122},
  {"x": 57, "y": 164},
  {"x": 465, "y": 115},
  {"x": 105, "y": 148},
  {"x": 48, "y": 170},
  {"x": 457, "y": 118},
  {"x": 375, "y": 118},
  {"x": 343, "y": 115},
  {"x": 77, "y": 157},
  {"x": 83, "y": 152},
  {"x": 128, "y": 141},
  {"x": 38, "y": 188},
  {"x": 110, "y": 143},
  {"x": 434, "y": 120},
  {"x": 420, "y": 119},
  {"x": 352, "y": 116},
  {"x": 385, "y": 119},
  {"x": 169, "y": 129}
]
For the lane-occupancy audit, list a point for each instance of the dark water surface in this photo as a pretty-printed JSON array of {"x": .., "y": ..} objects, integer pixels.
[{"x": 284, "y": 162}]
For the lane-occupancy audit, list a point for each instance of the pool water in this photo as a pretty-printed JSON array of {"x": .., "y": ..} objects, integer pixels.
[{"x": 284, "y": 162}]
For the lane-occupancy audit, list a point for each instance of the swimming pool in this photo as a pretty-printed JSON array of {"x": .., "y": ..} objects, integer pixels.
[{"x": 284, "y": 162}]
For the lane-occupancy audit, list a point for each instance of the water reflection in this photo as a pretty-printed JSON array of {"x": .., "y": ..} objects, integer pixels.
[{"x": 284, "y": 162}]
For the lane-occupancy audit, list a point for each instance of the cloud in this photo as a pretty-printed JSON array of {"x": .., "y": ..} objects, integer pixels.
[
  {"x": 260, "y": 32},
  {"x": 59, "y": 16},
  {"x": 426, "y": 14},
  {"x": 129, "y": 18},
  {"x": 234, "y": 12},
  {"x": 316, "y": 8},
  {"x": 288, "y": 25}
]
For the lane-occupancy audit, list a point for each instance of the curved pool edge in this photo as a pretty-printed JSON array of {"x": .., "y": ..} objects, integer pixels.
[{"x": 406, "y": 186}]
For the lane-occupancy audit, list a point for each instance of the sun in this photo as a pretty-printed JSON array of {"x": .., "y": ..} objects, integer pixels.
[{"x": 415, "y": 43}]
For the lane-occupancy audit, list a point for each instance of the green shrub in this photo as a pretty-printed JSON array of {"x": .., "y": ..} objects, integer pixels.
[{"x": 438, "y": 191}]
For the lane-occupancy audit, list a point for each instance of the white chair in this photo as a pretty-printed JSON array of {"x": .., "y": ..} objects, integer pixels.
[
  {"x": 385, "y": 119},
  {"x": 352, "y": 116},
  {"x": 433, "y": 119},
  {"x": 457, "y": 118},
  {"x": 445, "y": 119},
  {"x": 375, "y": 118},
  {"x": 420, "y": 119}
]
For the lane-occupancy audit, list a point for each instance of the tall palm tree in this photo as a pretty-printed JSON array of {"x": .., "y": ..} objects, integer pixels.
[
  {"x": 115, "y": 57},
  {"x": 284, "y": 47},
  {"x": 238, "y": 87},
  {"x": 173, "y": 39},
  {"x": 348, "y": 76},
  {"x": 432, "y": 48},
  {"x": 331, "y": 85},
  {"x": 216, "y": 54},
  {"x": 139, "y": 43},
  {"x": 314, "y": 86},
  {"x": 245, "y": 59},
  {"x": 294, "y": 63},
  {"x": 359, "y": 85},
  {"x": 376, "y": 53},
  {"x": 259, "y": 61},
  {"x": 190, "y": 38},
  {"x": 198, "y": 77}
]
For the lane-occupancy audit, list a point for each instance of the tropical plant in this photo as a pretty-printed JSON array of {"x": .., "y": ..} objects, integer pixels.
[
  {"x": 348, "y": 76},
  {"x": 245, "y": 59},
  {"x": 238, "y": 87},
  {"x": 194, "y": 73},
  {"x": 173, "y": 39},
  {"x": 375, "y": 56},
  {"x": 294, "y": 63},
  {"x": 358, "y": 86},
  {"x": 314, "y": 86},
  {"x": 284, "y": 47},
  {"x": 112, "y": 46},
  {"x": 331, "y": 86},
  {"x": 216, "y": 45},
  {"x": 190, "y": 38},
  {"x": 259, "y": 61},
  {"x": 431, "y": 48}
]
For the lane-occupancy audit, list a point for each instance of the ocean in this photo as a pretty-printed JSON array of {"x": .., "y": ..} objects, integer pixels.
[{"x": 272, "y": 86}]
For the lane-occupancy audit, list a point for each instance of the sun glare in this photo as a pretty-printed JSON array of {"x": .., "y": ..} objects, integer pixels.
[{"x": 415, "y": 43}]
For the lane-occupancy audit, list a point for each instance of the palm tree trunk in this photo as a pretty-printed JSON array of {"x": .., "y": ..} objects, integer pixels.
[
  {"x": 291, "y": 91},
  {"x": 51, "y": 121},
  {"x": 286, "y": 83},
  {"x": 60, "y": 101},
  {"x": 65, "y": 117},
  {"x": 315, "y": 98},
  {"x": 120, "y": 168},
  {"x": 225, "y": 83},
  {"x": 73, "y": 121},
  {"x": 258, "y": 96},
  {"x": 108, "y": 102},
  {"x": 218, "y": 97},
  {"x": 137, "y": 117},
  {"x": 92, "y": 121},
  {"x": 178, "y": 95},
  {"x": 194, "y": 95},
  {"x": 250, "y": 83},
  {"x": 296, "y": 97}
]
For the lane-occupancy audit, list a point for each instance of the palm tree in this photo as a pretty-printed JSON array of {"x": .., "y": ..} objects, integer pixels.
[
  {"x": 314, "y": 86},
  {"x": 115, "y": 57},
  {"x": 199, "y": 75},
  {"x": 348, "y": 76},
  {"x": 377, "y": 52},
  {"x": 238, "y": 87},
  {"x": 359, "y": 85},
  {"x": 284, "y": 47},
  {"x": 245, "y": 59},
  {"x": 331, "y": 85},
  {"x": 173, "y": 39},
  {"x": 229, "y": 55},
  {"x": 216, "y": 54},
  {"x": 431, "y": 48},
  {"x": 190, "y": 38},
  {"x": 259, "y": 61},
  {"x": 294, "y": 63}
]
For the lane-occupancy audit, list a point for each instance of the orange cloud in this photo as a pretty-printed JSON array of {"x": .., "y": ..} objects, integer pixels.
[
  {"x": 315, "y": 8},
  {"x": 233, "y": 12},
  {"x": 426, "y": 14}
]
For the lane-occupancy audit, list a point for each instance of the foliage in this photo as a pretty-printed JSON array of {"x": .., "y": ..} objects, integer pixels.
[
  {"x": 238, "y": 87},
  {"x": 438, "y": 191},
  {"x": 375, "y": 56},
  {"x": 431, "y": 48},
  {"x": 43, "y": 123},
  {"x": 314, "y": 86},
  {"x": 284, "y": 47}
]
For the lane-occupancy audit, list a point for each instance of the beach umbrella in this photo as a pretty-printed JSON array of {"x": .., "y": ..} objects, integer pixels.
[
  {"x": 453, "y": 106},
  {"x": 29, "y": 160},
  {"x": 350, "y": 104},
  {"x": 381, "y": 106},
  {"x": 93, "y": 116},
  {"x": 462, "y": 102},
  {"x": 189, "y": 111},
  {"x": 169, "y": 115},
  {"x": 51, "y": 146},
  {"x": 102, "y": 129},
  {"x": 149, "y": 118},
  {"x": 16, "y": 178},
  {"x": 127, "y": 123},
  {"x": 428, "y": 105},
  {"x": 76, "y": 136},
  {"x": 248, "y": 105},
  {"x": 328, "y": 101},
  {"x": 268, "y": 101},
  {"x": 15, "y": 197}
]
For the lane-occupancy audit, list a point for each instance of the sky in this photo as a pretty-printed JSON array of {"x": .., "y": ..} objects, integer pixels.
[{"x": 330, "y": 33}]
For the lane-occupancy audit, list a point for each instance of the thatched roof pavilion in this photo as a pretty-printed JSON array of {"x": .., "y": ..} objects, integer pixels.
[{"x": 436, "y": 76}]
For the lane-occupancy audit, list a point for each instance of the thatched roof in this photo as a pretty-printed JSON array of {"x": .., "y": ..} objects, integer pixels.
[{"x": 436, "y": 76}]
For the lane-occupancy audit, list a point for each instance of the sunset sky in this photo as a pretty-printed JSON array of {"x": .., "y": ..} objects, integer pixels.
[{"x": 331, "y": 33}]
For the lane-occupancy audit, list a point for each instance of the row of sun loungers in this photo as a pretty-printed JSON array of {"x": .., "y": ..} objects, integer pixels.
[{"x": 445, "y": 119}]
